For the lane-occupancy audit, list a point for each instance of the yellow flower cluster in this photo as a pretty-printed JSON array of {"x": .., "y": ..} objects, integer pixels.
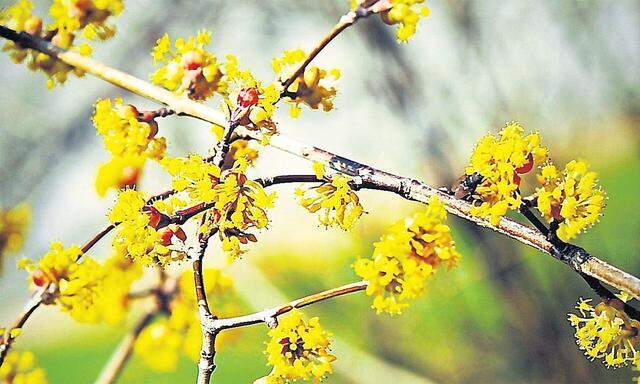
[
  {"x": 193, "y": 175},
  {"x": 407, "y": 13},
  {"x": 88, "y": 291},
  {"x": 129, "y": 140},
  {"x": 72, "y": 18},
  {"x": 500, "y": 160},
  {"x": 406, "y": 256},
  {"x": 606, "y": 332},
  {"x": 14, "y": 223},
  {"x": 313, "y": 87},
  {"x": 20, "y": 368},
  {"x": 337, "y": 203},
  {"x": 87, "y": 16},
  {"x": 111, "y": 303},
  {"x": 298, "y": 350},
  {"x": 240, "y": 204},
  {"x": 250, "y": 97},
  {"x": 161, "y": 343},
  {"x": 137, "y": 235},
  {"x": 188, "y": 68},
  {"x": 572, "y": 198},
  {"x": 244, "y": 149}
]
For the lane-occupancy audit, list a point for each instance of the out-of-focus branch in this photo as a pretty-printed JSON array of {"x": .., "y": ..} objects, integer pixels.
[{"x": 120, "y": 357}]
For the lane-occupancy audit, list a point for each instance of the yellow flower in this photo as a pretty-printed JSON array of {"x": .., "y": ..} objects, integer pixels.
[
  {"x": 123, "y": 134},
  {"x": 194, "y": 176},
  {"x": 337, "y": 203},
  {"x": 298, "y": 350},
  {"x": 606, "y": 332},
  {"x": 239, "y": 204},
  {"x": 161, "y": 343},
  {"x": 71, "y": 18},
  {"x": 111, "y": 305},
  {"x": 246, "y": 94},
  {"x": 137, "y": 235},
  {"x": 55, "y": 266},
  {"x": 500, "y": 161},
  {"x": 87, "y": 16},
  {"x": 20, "y": 368},
  {"x": 407, "y": 13},
  {"x": 313, "y": 87},
  {"x": 244, "y": 149},
  {"x": 406, "y": 256},
  {"x": 129, "y": 140},
  {"x": 14, "y": 223},
  {"x": 188, "y": 68},
  {"x": 158, "y": 345},
  {"x": 572, "y": 198},
  {"x": 121, "y": 172}
]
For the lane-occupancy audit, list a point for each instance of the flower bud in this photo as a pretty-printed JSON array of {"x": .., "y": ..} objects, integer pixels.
[
  {"x": 248, "y": 97},
  {"x": 33, "y": 26},
  {"x": 312, "y": 77},
  {"x": 129, "y": 178}
]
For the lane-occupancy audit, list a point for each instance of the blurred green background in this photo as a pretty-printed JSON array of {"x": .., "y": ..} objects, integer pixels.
[{"x": 568, "y": 69}]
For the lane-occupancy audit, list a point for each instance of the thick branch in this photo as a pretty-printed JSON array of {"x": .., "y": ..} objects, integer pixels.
[
  {"x": 181, "y": 105},
  {"x": 415, "y": 190},
  {"x": 407, "y": 188}
]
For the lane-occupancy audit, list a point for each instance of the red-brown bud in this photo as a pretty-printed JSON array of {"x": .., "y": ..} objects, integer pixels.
[
  {"x": 38, "y": 278},
  {"x": 248, "y": 97}
]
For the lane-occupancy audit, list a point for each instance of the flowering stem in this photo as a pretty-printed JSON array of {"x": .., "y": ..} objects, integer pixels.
[
  {"x": 407, "y": 188},
  {"x": 120, "y": 357},
  {"x": 179, "y": 104},
  {"x": 415, "y": 190},
  {"x": 268, "y": 315}
]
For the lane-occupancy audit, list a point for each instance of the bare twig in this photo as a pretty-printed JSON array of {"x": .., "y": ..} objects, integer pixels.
[
  {"x": 363, "y": 10},
  {"x": 269, "y": 315}
]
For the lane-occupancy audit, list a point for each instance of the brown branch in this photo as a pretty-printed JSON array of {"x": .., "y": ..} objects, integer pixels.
[
  {"x": 415, "y": 190},
  {"x": 30, "y": 307},
  {"x": 407, "y": 188},
  {"x": 120, "y": 357},
  {"x": 269, "y": 315},
  {"x": 206, "y": 365}
]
